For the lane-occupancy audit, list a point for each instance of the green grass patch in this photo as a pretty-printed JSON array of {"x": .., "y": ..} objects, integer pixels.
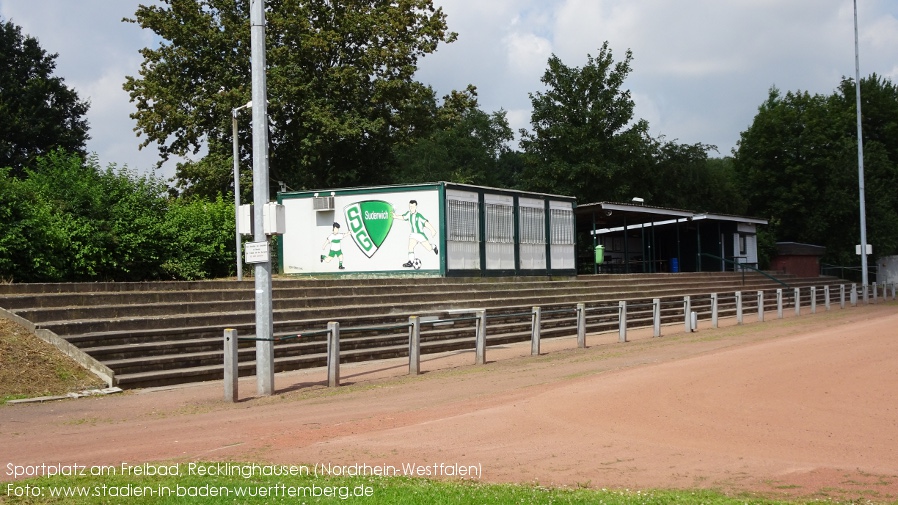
[{"x": 242, "y": 483}]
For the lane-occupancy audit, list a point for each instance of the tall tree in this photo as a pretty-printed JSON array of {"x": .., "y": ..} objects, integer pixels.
[
  {"x": 38, "y": 112},
  {"x": 340, "y": 83},
  {"x": 798, "y": 165},
  {"x": 584, "y": 141},
  {"x": 465, "y": 145}
]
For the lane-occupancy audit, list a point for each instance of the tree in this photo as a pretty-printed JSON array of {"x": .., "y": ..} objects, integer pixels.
[
  {"x": 38, "y": 113},
  {"x": 465, "y": 145},
  {"x": 798, "y": 165},
  {"x": 340, "y": 83},
  {"x": 584, "y": 141}
]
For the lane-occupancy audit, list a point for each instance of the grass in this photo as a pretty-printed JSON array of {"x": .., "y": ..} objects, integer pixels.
[
  {"x": 306, "y": 487},
  {"x": 30, "y": 367}
]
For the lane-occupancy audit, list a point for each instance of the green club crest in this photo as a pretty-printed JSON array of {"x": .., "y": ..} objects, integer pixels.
[{"x": 369, "y": 224}]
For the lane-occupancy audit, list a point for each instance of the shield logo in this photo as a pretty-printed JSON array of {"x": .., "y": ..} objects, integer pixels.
[{"x": 369, "y": 224}]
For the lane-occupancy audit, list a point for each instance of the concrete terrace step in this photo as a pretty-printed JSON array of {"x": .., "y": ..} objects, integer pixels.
[{"x": 170, "y": 332}]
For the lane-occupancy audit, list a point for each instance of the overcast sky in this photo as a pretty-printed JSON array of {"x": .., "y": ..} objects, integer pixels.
[{"x": 700, "y": 70}]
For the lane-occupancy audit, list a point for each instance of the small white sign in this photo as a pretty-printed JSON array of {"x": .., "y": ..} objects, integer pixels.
[
  {"x": 857, "y": 249},
  {"x": 256, "y": 252}
]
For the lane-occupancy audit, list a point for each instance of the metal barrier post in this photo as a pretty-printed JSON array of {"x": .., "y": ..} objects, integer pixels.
[
  {"x": 854, "y": 295},
  {"x": 480, "y": 339},
  {"x": 826, "y": 295},
  {"x": 738, "y": 307},
  {"x": 875, "y": 295},
  {"x": 414, "y": 345},
  {"x": 714, "y": 314},
  {"x": 761, "y": 306},
  {"x": 779, "y": 303},
  {"x": 581, "y": 325},
  {"x": 687, "y": 311},
  {"x": 864, "y": 289},
  {"x": 797, "y": 301},
  {"x": 841, "y": 296},
  {"x": 333, "y": 354},
  {"x": 893, "y": 291},
  {"x": 534, "y": 331},
  {"x": 230, "y": 365},
  {"x": 622, "y": 321},
  {"x": 813, "y": 299},
  {"x": 656, "y": 317}
]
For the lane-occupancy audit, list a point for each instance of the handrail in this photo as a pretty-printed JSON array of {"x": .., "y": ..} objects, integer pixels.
[{"x": 743, "y": 266}]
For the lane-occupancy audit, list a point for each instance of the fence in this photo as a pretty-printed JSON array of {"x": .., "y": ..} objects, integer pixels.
[{"x": 599, "y": 318}]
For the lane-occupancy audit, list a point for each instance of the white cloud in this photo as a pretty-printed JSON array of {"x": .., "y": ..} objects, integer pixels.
[{"x": 527, "y": 53}]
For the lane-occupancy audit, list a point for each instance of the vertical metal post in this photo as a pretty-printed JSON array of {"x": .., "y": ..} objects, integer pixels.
[
  {"x": 779, "y": 303},
  {"x": 826, "y": 296},
  {"x": 854, "y": 295},
  {"x": 860, "y": 157},
  {"x": 480, "y": 339},
  {"x": 264, "y": 315},
  {"x": 714, "y": 313},
  {"x": 687, "y": 311},
  {"x": 230, "y": 365},
  {"x": 864, "y": 288},
  {"x": 333, "y": 354},
  {"x": 535, "y": 322},
  {"x": 761, "y": 306},
  {"x": 893, "y": 291},
  {"x": 622, "y": 321},
  {"x": 841, "y": 296},
  {"x": 738, "y": 307},
  {"x": 581, "y": 325},
  {"x": 239, "y": 252},
  {"x": 414, "y": 345},
  {"x": 875, "y": 295},
  {"x": 797, "y": 301},
  {"x": 656, "y": 317}
]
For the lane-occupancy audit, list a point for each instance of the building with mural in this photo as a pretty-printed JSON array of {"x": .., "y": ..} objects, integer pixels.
[{"x": 436, "y": 229}]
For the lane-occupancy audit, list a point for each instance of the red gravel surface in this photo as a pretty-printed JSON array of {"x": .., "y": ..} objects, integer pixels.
[{"x": 803, "y": 407}]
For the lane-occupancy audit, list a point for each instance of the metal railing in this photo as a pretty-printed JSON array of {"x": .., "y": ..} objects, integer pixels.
[
  {"x": 743, "y": 267},
  {"x": 624, "y": 314}
]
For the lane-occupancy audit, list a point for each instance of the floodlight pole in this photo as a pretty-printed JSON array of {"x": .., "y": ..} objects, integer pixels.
[
  {"x": 264, "y": 315},
  {"x": 860, "y": 155},
  {"x": 237, "y": 189}
]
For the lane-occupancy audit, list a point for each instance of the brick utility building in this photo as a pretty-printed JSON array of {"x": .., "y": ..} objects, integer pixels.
[{"x": 802, "y": 260}]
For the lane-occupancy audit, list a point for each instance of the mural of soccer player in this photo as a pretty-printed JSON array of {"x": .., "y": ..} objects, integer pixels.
[
  {"x": 333, "y": 246},
  {"x": 420, "y": 225}
]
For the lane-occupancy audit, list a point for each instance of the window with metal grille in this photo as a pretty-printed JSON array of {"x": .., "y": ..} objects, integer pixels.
[
  {"x": 533, "y": 225},
  {"x": 499, "y": 224},
  {"x": 562, "y": 226},
  {"x": 463, "y": 221}
]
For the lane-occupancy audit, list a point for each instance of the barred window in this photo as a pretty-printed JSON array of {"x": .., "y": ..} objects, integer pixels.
[
  {"x": 533, "y": 225},
  {"x": 463, "y": 221},
  {"x": 499, "y": 224},
  {"x": 562, "y": 226}
]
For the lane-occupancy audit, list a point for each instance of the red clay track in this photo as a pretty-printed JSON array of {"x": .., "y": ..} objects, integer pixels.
[{"x": 800, "y": 407}]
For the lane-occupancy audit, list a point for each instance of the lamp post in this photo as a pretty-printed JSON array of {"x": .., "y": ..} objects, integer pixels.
[
  {"x": 860, "y": 158},
  {"x": 237, "y": 188}
]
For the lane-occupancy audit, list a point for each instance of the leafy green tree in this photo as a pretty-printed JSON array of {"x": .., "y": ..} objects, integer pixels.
[
  {"x": 38, "y": 112},
  {"x": 70, "y": 220},
  {"x": 340, "y": 83},
  {"x": 464, "y": 146},
  {"x": 584, "y": 141},
  {"x": 200, "y": 236},
  {"x": 798, "y": 165}
]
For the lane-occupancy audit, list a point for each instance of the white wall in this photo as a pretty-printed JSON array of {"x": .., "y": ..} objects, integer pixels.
[{"x": 364, "y": 248}]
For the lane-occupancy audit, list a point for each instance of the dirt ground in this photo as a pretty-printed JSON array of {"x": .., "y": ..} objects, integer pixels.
[{"x": 803, "y": 407}]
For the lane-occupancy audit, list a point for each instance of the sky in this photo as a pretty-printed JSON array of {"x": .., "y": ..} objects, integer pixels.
[{"x": 700, "y": 68}]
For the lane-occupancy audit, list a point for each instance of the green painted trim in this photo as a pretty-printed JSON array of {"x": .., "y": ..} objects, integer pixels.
[
  {"x": 548, "y": 224},
  {"x": 443, "y": 217},
  {"x": 515, "y": 215},
  {"x": 481, "y": 218},
  {"x": 360, "y": 191}
]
